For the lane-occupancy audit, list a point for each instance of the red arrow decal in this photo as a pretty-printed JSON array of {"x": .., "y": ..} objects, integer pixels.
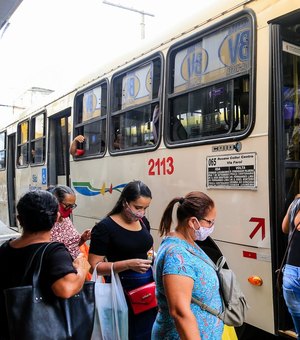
[{"x": 260, "y": 224}]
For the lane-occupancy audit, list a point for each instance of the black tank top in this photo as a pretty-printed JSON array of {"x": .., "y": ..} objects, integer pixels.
[{"x": 294, "y": 252}]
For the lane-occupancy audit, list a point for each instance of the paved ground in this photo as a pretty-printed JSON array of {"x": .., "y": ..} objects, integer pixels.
[{"x": 6, "y": 233}]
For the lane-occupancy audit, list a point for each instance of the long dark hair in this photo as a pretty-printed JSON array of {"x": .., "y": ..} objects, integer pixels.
[
  {"x": 131, "y": 192},
  {"x": 195, "y": 203},
  {"x": 60, "y": 191},
  {"x": 37, "y": 211}
]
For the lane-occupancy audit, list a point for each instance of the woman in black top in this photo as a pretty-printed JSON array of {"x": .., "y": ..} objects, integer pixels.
[
  {"x": 291, "y": 271},
  {"x": 60, "y": 275},
  {"x": 123, "y": 238}
]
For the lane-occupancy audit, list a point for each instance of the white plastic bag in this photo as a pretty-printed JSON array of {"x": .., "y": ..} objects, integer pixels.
[{"x": 111, "y": 317}]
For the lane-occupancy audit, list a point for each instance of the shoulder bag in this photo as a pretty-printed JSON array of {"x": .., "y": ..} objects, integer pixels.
[
  {"x": 33, "y": 316},
  {"x": 142, "y": 298}
]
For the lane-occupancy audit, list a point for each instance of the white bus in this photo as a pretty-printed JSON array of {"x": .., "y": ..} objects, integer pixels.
[{"x": 213, "y": 107}]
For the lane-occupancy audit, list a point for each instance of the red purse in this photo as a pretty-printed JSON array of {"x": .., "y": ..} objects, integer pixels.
[{"x": 142, "y": 298}]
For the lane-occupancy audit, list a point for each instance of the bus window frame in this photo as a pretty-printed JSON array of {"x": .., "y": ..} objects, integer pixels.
[
  {"x": 19, "y": 145},
  {"x": 4, "y": 150},
  {"x": 33, "y": 140},
  {"x": 80, "y": 126},
  {"x": 158, "y": 100},
  {"x": 193, "y": 39}
]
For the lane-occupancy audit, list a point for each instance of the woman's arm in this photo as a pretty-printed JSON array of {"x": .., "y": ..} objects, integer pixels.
[
  {"x": 72, "y": 283},
  {"x": 285, "y": 222},
  {"x": 179, "y": 302},
  {"x": 85, "y": 236},
  {"x": 138, "y": 265},
  {"x": 73, "y": 146}
]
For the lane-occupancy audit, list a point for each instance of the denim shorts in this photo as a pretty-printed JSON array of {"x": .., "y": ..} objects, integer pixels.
[{"x": 291, "y": 289}]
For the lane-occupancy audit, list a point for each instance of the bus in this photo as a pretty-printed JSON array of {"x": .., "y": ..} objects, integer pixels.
[{"x": 212, "y": 107}]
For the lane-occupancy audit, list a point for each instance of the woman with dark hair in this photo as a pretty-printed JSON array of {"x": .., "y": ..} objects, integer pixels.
[
  {"x": 60, "y": 275},
  {"x": 64, "y": 230},
  {"x": 178, "y": 264},
  {"x": 123, "y": 238}
]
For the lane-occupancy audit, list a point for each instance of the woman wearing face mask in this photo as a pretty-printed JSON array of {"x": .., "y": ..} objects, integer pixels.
[
  {"x": 64, "y": 230},
  {"x": 177, "y": 265},
  {"x": 123, "y": 238}
]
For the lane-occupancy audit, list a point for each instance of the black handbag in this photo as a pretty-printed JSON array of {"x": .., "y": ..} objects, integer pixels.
[{"x": 32, "y": 316}]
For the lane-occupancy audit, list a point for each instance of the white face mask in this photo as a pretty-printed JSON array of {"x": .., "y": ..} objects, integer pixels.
[{"x": 202, "y": 233}]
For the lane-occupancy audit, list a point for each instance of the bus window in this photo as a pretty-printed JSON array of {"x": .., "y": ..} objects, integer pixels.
[
  {"x": 2, "y": 150},
  {"x": 37, "y": 139},
  {"x": 208, "y": 85},
  {"x": 23, "y": 143},
  {"x": 90, "y": 120},
  {"x": 135, "y": 108}
]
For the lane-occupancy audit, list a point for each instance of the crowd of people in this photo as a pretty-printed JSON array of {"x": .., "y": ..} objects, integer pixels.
[{"x": 123, "y": 239}]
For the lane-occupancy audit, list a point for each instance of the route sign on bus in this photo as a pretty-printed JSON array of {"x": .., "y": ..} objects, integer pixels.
[{"x": 235, "y": 171}]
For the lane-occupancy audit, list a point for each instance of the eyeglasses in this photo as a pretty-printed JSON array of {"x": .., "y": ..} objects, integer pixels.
[
  {"x": 68, "y": 206},
  {"x": 210, "y": 222}
]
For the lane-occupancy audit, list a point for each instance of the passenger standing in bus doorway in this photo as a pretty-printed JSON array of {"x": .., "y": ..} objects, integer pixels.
[
  {"x": 64, "y": 230},
  {"x": 74, "y": 150},
  {"x": 123, "y": 238},
  {"x": 291, "y": 270},
  {"x": 178, "y": 265}
]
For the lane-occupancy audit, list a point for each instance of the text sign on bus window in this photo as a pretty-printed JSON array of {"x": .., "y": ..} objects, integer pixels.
[
  {"x": 136, "y": 86},
  {"x": 226, "y": 52},
  {"x": 236, "y": 171}
]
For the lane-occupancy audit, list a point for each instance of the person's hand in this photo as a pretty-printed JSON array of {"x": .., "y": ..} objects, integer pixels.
[
  {"x": 139, "y": 265},
  {"x": 79, "y": 139},
  {"x": 86, "y": 235},
  {"x": 81, "y": 263}
]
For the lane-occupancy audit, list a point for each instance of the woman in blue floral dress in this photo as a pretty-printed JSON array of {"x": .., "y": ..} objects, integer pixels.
[{"x": 181, "y": 274}]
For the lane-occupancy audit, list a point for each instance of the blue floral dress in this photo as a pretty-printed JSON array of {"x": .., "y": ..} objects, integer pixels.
[{"x": 174, "y": 258}]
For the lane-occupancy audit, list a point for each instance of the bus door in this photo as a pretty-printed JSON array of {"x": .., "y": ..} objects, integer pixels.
[
  {"x": 11, "y": 180},
  {"x": 284, "y": 139},
  {"x": 58, "y": 149}
]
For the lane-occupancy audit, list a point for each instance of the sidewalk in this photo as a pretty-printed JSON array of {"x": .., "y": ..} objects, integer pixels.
[{"x": 6, "y": 233}]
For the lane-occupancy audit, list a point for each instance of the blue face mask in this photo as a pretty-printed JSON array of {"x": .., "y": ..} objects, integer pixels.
[{"x": 202, "y": 233}]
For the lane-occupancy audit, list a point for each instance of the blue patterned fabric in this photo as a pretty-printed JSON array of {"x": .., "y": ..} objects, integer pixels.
[{"x": 174, "y": 258}]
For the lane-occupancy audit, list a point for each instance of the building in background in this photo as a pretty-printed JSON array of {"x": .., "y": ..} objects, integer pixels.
[{"x": 27, "y": 99}]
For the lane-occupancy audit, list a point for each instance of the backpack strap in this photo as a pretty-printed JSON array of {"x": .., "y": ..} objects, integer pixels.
[
  {"x": 216, "y": 267},
  {"x": 208, "y": 261},
  {"x": 207, "y": 308}
]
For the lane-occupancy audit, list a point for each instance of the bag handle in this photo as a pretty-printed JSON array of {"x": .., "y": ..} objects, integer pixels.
[
  {"x": 37, "y": 271},
  {"x": 278, "y": 283},
  {"x": 32, "y": 259}
]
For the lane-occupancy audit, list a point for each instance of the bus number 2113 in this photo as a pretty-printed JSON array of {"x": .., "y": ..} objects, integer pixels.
[{"x": 163, "y": 166}]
